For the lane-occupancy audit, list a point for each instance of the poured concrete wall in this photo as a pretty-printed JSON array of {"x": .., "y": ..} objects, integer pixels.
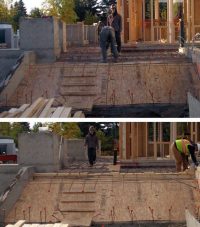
[
  {"x": 17, "y": 73},
  {"x": 40, "y": 150},
  {"x": 76, "y": 34},
  {"x": 14, "y": 188},
  {"x": 62, "y": 36},
  {"x": 194, "y": 106},
  {"x": 42, "y": 36},
  {"x": 8, "y": 59},
  {"x": 7, "y": 173},
  {"x": 73, "y": 150},
  {"x": 92, "y": 34}
]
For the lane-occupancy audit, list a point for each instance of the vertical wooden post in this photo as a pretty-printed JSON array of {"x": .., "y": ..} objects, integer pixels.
[
  {"x": 152, "y": 22},
  {"x": 171, "y": 29},
  {"x": 123, "y": 20},
  {"x": 143, "y": 23},
  {"x": 188, "y": 20},
  {"x": 157, "y": 9},
  {"x": 147, "y": 139},
  {"x": 154, "y": 141},
  {"x": 192, "y": 19}
]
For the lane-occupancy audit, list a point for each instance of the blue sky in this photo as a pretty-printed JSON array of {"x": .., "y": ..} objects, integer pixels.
[{"x": 30, "y": 4}]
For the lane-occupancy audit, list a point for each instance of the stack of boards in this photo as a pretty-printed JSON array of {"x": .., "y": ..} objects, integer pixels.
[{"x": 41, "y": 108}]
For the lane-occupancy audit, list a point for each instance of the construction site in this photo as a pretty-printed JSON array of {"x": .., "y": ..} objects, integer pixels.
[
  {"x": 52, "y": 184},
  {"x": 154, "y": 76}
]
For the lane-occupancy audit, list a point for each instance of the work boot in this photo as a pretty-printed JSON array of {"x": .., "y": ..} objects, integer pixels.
[
  {"x": 115, "y": 60},
  {"x": 103, "y": 61}
]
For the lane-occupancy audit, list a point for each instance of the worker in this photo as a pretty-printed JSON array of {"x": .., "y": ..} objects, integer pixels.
[
  {"x": 115, "y": 20},
  {"x": 92, "y": 145},
  {"x": 182, "y": 149},
  {"x": 107, "y": 38}
]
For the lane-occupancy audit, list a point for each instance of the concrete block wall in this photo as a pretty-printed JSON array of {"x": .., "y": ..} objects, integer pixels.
[
  {"x": 40, "y": 150},
  {"x": 73, "y": 150},
  {"x": 42, "y": 35}
]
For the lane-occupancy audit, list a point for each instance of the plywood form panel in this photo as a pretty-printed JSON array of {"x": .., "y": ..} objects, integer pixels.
[{"x": 114, "y": 194}]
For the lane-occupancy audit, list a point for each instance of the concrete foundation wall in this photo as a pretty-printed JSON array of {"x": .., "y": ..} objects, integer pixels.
[
  {"x": 14, "y": 188},
  {"x": 7, "y": 173},
  {"x": 93, "y": 34},
  {"x": 17, "y": 74},
  {"x": 73, "y": 150},
  {"x": 8, "y": 59},
  {"x": 42, "y": 36},
  {"x": 76, "y": 34},
  {"x": 40, "y": 150},
  {"x": 194, "y": 106}
]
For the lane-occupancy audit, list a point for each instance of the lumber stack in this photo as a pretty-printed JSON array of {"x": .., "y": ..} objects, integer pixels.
[{"x": 41, "y": 108}]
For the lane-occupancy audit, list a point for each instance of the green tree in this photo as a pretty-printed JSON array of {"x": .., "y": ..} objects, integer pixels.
[
  {"x": 4, "y": 12},
  {"x": 84, "y": 8},
  {"x": 67, "y": 130},
  {"x": 36, "y": 13},
  {"x": 5, "y": 129},
  {"x": 18, "y": 128},
  {"x": 60, "y": 8},
  {"x": 17, "y": 11},
  {"x": 36, "y": 127},
  {"x": 90, "y": 18}
]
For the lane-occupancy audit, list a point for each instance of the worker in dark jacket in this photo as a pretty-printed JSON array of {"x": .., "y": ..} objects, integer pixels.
[
  {"x": 115, "y": 20},
  {"x": 107, "y": 38},
  {"x": 92, "y": 144},
  {"x": 182, "y": 149}
]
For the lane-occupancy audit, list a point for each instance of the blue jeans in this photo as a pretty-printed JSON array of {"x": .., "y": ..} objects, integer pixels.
[{"x": 91, "y": 155}]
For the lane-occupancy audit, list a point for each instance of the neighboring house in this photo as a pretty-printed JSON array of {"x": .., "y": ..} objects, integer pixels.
[{"x": 6, "y": 36}]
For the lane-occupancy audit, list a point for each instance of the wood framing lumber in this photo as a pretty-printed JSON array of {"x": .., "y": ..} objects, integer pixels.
[
  {"x": 3, "y": 114},
  {"x": 19, "y": 111},
  {"x": 33, "y": 108},
  {"x": 66, "y": 113},
  {"x": 45, "y": 113},
  {"x": 79, "y": 114},
  {"x": 41, "y": 108},
  {"x": 20, "y": 223},
  {"x": 58, "y": 112}
]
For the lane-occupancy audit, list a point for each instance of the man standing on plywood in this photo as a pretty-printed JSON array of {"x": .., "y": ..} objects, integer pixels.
[
  {"x": 182, "y": 149},
  {"x": 115, "y": 20},
  {"x": 92, "y": 144}
]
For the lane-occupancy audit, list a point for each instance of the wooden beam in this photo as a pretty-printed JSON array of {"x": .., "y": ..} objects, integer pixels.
[
  {"x": 79, "y": 114},
  {"x": 66, "y": 113},
  {"x": 58, "y": 112},
  {"x": 33, "y": 108},
  {"x": 45, "y": 112},
  {"x": 19, "y": 111}
]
